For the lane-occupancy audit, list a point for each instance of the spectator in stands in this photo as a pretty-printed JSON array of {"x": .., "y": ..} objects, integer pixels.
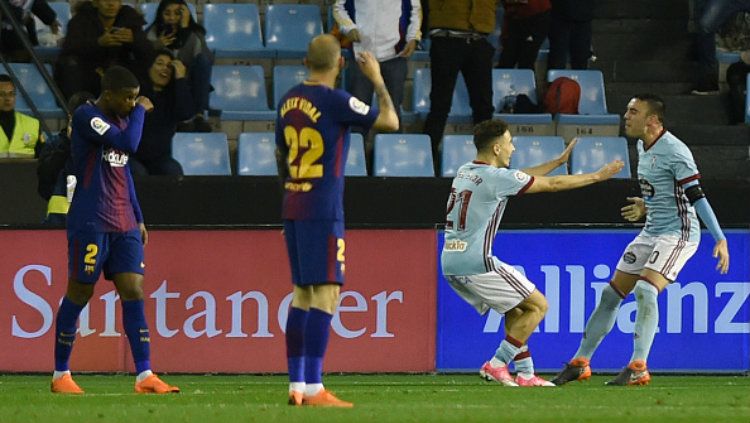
[
  {"x": 175, "y": 29},
  {"x": 20, "y": 136},
  {"x": 712, "y": 16},
  {"x": 57, "y": 180},
  {"x": 168, "y": 91},
  {"x": 458, "y": 30},
  {"x": 101, "y": 33},
  {"x": 737, "y": 80},
  {"x": 24, "y": 11},
  {"x": 570, "y": 34},
  {"x": 525, "y": 27}
]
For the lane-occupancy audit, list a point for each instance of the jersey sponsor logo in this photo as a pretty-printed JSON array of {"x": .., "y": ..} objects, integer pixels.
[
  {"x": 647, "y": 189},
  {"x": 115, "y": 158},
  {"x": 455, "y": 245},
  {"x": 522, "y": 177},
  {"x": 99, "y": 126},
  {"x": 358, "y": 106},
  {"x": 298, "y": 186},
  {"x": 628, "y": 258}
]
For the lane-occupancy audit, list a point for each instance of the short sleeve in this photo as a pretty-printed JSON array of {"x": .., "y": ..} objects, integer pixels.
[
  {"x": 350, "y": 110},
  {"x": 509, "y": 182},
  {"x": 683, "y": 166}
]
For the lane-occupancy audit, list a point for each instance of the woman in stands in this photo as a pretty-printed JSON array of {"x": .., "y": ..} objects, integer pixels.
[{"x": 175, "y": 29}]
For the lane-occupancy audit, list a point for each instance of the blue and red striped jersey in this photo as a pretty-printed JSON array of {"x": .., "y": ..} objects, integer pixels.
[
  {"x": 312, "y": 131},
  {"x": 104, "y": 198}
]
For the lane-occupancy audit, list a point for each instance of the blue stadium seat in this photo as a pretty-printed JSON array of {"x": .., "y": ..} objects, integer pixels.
[
  {"x": 747, "y": 102},
  {"x": 591, "y": 153},
  {"x": 43, "y": 32},
  {"x": 356, "y": 164},
  {"x": 233, "y": 30},
  {"x": 284, "y": 78},
  {"x": 593, "y": 117},
  {"x": 38, "y": 90},
  {"x": 457, "y": 150},
  {"x": 533, "y": 151},
  {"x": 202, "y": 153},
  {"x": 149, "y": 11},
  {"x": 256, "y": 154},
  {"x": 290, "y": 27},
  {"x": 460, "y": 107},
  {"x": 240, "y": 93},
  {"x": 511, "y": 82},
  {"x": 403, "y": 155}
]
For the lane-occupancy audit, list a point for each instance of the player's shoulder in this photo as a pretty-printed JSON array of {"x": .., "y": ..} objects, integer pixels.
[
  {"x": 88, "y": 115},
  {"x": 674, "y": 145}
]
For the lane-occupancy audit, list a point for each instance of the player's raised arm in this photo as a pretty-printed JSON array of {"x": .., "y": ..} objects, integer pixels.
[
  {"x": 553, "y": 164},
  {"x": 566, "y": 182},
  {"x": 387, "y": 118}
]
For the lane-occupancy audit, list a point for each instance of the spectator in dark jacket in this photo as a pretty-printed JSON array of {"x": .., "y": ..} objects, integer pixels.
[
  {"x": 24, "y": 12},
  {"x": 101, "y": 34},
  {"x": 525, "y": 27},
  {"x": 570, "y": 34},
  {"x": 168, "y": 91}
]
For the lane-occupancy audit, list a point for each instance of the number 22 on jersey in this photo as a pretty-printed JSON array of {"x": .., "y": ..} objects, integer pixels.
[
  {"x": 461, "y": 200},
  {"x": 309, "y": 143}
]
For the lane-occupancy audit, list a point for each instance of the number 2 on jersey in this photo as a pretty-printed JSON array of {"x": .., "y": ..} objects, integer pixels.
[
  {"x": 463, "y": 198},
  {"x": 311, "y": 141}
]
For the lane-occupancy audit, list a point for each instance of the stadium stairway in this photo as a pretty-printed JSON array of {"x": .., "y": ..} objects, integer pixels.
[{"x": 645, "y": 46}]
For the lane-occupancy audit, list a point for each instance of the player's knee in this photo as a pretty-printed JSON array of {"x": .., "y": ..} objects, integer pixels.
[
  {"x": 79, "y": 293},
  {"x": 325, "y": 297}
]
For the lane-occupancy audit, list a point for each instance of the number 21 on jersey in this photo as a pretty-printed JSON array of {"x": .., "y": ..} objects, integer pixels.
[
  {"x": 460, "y": 201},
  {"x": 309, "y": 143}
]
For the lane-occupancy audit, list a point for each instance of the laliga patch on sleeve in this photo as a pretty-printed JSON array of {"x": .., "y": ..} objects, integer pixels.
[
  {"x": 522, "y": 177},
  {"x": 358, "y": 106},
  {"x": 99, "y": 126}
]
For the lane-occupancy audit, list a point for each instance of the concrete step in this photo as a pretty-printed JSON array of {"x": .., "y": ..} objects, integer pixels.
[
  {"x": 642, "y": 47},
  {"x": 659, "y": 88},
  {"x": 682, "y": 109},
  {"x": 712, "y": 136},
  {"x": 620, "y": 69},
  {"x": 665, "y": 9},
  {"x": 664, "y": 27}
]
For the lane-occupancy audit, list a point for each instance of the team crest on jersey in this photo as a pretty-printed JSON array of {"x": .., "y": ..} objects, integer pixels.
[
  {"x": 358, "y": 106},
  {"x": 115, "y": 158},
  {"x": 646, "y": 188},
  {"x": 628, "y": 258},
  {"x": 99, "y": 125},
  {"x": 522, "y": 177}
]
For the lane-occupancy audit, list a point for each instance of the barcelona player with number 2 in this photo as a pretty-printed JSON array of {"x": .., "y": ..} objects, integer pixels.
[
  {"x": 312, "y": 140},
  {"x": 105, "y": 225}
]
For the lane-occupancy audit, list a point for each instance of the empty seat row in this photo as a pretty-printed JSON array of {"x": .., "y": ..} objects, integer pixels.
[{"x": 395, "y": 155}]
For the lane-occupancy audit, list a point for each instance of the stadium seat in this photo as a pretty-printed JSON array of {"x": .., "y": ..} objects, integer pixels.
[
  {"x": 457, "y": 150},
  {"x": 591, "y": 153},
  {"x": 149, "y": 11},
  {"x": 290, "y": 27},
  {"x": 533, "y": 151},
  {"x": 747, "y": 102},
  {"x": 46, "y": 50},
  {"x": 593, "y": 117},
  {"x": 356, "y": 165},
  {"x": 284, "y": 78},
  {"x": 403, "y": 155},
  {"x": 202, "y": 153},
  {"x": 38, "y": 90},
  {"x": 460, "y": 108},
  {"x": 511, "y": 82},
  {"x": 256, "y": 154},
  {"x": 240, "y": 93},
  {"x": 233, "y": 30}
]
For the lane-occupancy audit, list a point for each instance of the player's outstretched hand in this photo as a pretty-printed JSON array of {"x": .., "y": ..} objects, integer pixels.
[
  {"x": 370, "y": 67},
  {"x": 610, "y": 169},
  {"x": 145, "y": 102},
  {"x": 635, "y": 211},
  {"x": 722, "y": 252}
]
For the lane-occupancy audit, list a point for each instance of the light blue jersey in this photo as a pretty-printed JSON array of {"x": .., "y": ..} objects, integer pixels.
[
  {"x": 476, "y": 204},
  {"x": 663, "y": 171}
]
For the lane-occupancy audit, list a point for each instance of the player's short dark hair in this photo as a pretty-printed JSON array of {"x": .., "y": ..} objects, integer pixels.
[
  {"x": 655, "y": 104},
  {"x": 5, "y": 78},
  {"x": 79, "y": 98},
  {"x": 118, "y": 78},
  {"x": 488, "y": 131}
]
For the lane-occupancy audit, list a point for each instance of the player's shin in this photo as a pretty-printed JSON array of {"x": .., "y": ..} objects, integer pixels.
[
  {"x": 134, "y": 323},
  {"x": 602, "y": 321},
  {"x": 295, "y": 348},
  {"x": 646, "y": 319},
  {"x": 316, "y": 340},
  {"x": 65, "y": 332}
]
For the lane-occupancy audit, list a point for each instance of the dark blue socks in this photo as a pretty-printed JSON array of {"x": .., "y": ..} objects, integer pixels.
[
  {"x": 65, "y": 332},
  {"x": 316, "y": 341},
  {"x": 134, "y": 322},
  {"x": 295, "y": 344}
]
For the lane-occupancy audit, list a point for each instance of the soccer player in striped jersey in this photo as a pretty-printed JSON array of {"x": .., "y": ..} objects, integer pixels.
[
  {"x": 105, "y": 225},
  {"x": 479, "y": 195},
  {"x": 672, "y": 196},
  {"x": 312, "y": 140}
]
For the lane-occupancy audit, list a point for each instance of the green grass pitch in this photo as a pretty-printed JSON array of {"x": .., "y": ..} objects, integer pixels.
[{"x": 378, "y": 398}]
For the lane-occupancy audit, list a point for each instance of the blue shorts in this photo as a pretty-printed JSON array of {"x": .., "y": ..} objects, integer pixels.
[
  {"x": 114, "y": 252},
  {"x": 316, "y": 251}
]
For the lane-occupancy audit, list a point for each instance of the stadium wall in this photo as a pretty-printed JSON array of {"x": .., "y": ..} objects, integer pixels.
[{"x": 216, "y": 301}]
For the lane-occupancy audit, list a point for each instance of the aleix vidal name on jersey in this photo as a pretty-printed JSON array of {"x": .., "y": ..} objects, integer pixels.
[{"x": 115, "y": 158}]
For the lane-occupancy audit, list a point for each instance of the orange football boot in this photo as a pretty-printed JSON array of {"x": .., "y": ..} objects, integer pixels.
[
  {"x": 65, "y": 385},
  {"x": 325, "y": 398},
  {"x": 154, "y": 385}
]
